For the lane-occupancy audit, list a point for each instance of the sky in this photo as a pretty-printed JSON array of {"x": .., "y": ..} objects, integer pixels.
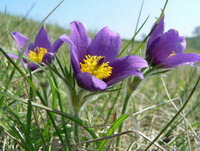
[{"x": 119, "y": 15}]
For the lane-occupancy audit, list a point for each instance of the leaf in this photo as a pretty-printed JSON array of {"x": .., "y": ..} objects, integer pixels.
[
  {"x": 112, "y": 129},
  {"x": 73, "y": 118}
]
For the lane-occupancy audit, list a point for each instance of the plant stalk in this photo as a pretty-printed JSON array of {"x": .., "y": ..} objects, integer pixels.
[
  {"x": 131, "y": 90},
  {"x": 76, "y": 109},
  {"x": 76, "y": 130}
]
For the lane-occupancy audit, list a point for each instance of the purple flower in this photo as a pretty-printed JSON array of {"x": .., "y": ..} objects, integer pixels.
[
  {"x": 94, "y": 61},
  {"x": 165, "y": 49},
  {"x": 41, "y": 51}
]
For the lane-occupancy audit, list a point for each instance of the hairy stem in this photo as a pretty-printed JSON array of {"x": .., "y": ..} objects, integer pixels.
[
  {"x": 131, "y": 90},
  {"x": 76, "y": 130}
]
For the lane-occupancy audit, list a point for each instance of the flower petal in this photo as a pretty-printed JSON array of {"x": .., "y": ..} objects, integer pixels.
[
  {"x": 56, "y": 45},
  {"x": 164, "y": 46},
  {"x": 13, "y": 56},
  {"x": 48, "y": 58},
  {"x": 157, "y": 32},
  {"x": 23, "y": 60},
  {"x": 80, "y": 39},
  {"x": 42, "y": 39},
  {"x": 20, "y": 39},
  {"x": 120, "y": 77},
  {"x": 124, "y": 67},
  {"x": 181, "y": 59},
  {"x": 31, "y": 66},
  {"x": 31, "y": 47},
  {"x": 73, "y": 54},
  {"x": 106, "y": 43},
  {"x": 90, "y": 82}
]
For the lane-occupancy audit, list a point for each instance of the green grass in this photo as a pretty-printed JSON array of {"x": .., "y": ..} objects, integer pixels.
[{"x": 35, "y": 111}]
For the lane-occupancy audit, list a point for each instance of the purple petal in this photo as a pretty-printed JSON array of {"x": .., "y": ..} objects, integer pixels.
[
  {"x": 181, "y": 59},
  {"x": 48, "y": 58},
  {"x": 80, "y": 39},
  {"x": 90, "y": 82},
  {"x": 56, "y": 45},
  {"x": 31, "y": 66},
  {"x": 106, "y": 43},
  {"x": 42, "y": 39},
  {"x": 13, "y": 56},
  {"x": 23, "y": 60},
  {"x": 138, "y": 73},
  {"x": 120, "y": 77},
  {"x": 157, "y": 32},
  {"x": 20, "y": 39},
  {"x": 162, "y": 47},
  {"x": 124, "y": 67},
  {"x": 73, "y": 54},
  {"x": 31, "y": 47}
]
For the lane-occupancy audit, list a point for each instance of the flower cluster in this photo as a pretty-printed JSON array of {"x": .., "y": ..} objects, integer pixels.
[{"x": 95, "y": 63}]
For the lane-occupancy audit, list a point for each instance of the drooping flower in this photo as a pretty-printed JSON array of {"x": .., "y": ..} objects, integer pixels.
[
  {"x": 95, "y": 62},
  {"x": 41, "y": 51},
  {"x": 165, "y": 50}
]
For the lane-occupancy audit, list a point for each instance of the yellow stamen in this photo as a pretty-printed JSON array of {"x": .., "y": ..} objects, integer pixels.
[
  {"x": 94, "y": 66},
  {"x": 172, "y": 54},
  {"x": 37, "y": 54}
]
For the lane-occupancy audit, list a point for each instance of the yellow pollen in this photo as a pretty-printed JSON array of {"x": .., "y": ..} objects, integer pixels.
[
  {"x": 94, "y": 66},
  {"x": 37, "y": 54},
  {"x": 172, "y": 54}
]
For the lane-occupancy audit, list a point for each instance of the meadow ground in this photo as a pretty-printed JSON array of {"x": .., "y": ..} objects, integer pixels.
[{"x": 156, "y": 102}]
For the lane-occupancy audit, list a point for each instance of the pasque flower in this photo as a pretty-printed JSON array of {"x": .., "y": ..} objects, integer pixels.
[
  {"x": 41, "y": 51},
  {"x": 164, "y": 50},
  {"x": 95, "y": 62}
]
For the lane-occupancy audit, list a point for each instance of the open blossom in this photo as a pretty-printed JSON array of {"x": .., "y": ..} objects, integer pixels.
[
  {"x": 165, "y": 49},
  {"x": 94, "y": 61},
  {"x": 41, "y": 51}
]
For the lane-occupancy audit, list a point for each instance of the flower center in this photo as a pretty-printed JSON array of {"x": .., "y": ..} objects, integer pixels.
[
  {"x": 172, "y": 54},
  {"x": 37, "y": 54},
  {"x": 95, "y": 66}
]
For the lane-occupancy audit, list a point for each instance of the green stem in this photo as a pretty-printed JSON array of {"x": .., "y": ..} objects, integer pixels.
[
  {"x": 75, "y": 101},
  {"x": 123, "y": 111},
  {"x": 76, "y": 130},
  {"x": 112, "y": 107},
  {"x": 67, "y": 136},
  {"x": 131, "y": 90}
]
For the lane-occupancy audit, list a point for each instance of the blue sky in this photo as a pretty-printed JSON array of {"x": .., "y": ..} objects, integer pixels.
[{"x": 119, "y": 15}]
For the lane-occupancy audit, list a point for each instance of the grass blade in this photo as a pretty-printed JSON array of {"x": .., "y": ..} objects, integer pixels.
[{"x": 175, "y": 116}]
